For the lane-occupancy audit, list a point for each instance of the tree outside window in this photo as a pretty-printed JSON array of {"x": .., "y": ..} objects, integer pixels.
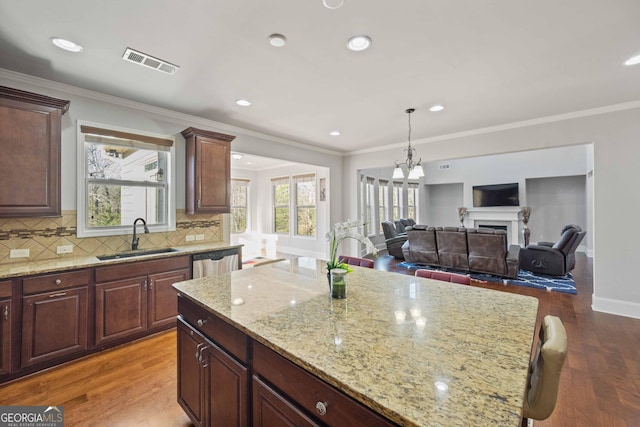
[
  {"x": 281, "y": 203},
  {"x": 125, "y": 178},
  {"x": 239, "y": 204},
  {"x": 305, "y": 204}
]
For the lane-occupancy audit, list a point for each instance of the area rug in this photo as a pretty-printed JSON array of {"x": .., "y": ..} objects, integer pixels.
[
  {"x": 564, "y": 284},
  {"x": 258, "y": 261}
]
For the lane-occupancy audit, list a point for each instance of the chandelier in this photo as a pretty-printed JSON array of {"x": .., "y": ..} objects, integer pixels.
[{"x": 413, "y": 168}]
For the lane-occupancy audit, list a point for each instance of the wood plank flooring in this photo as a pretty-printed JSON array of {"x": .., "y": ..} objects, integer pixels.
[{"x": 135, "y": 384}]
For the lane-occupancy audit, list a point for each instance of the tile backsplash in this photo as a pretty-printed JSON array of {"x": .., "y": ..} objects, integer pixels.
[{"x": 42, "y": 236}]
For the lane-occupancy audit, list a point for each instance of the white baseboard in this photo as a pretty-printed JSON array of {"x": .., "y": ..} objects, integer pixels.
[{"x": 618, "y": 307}]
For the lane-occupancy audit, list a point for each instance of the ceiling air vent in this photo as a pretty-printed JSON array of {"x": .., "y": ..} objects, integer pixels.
[
  {"x": 149, "y": 61},
  {"x": 444, "y": 166}
]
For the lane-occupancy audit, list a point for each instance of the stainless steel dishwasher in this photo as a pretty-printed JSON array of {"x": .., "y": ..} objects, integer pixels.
[{"x": 215, "y": 262}]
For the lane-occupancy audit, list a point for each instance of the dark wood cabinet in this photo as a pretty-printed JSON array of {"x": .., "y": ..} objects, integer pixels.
[
  {"x": 54, "y": 316},
  {"x": 213, "y": 387},
  {"x": 6, "y": 313},
  {"x": 214, "y": 361},
  {"x": 121, "y": 309},
  {"x": 134, "y": 298},
  {"x": 271, "y": 409},
  {"x": 208, "y": 171},
  {"x": 30, "y": 134}
]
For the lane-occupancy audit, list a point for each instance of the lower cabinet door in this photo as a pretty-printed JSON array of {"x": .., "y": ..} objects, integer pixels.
[
  {"x": 121, "y": 309},
  {"x": 228, "y": 388},
  {"x": 5, "y": 335},
  {"x": 163, "y": 298},
  {"x": 54, "y": 324},
  {"x": 190, "y": 373},
  {"x": 270, "y": 409}
]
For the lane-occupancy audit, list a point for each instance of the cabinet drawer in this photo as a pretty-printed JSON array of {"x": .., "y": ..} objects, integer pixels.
[
  {"x": 141, "y": 268},
  {"x": 307, "y": 391},
  {"x": 217, "y": 330},
  {"x": 51, "y": 282}
]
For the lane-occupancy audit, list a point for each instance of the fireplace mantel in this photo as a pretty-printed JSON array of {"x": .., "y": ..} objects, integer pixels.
[{"x": 506, "y": 215}]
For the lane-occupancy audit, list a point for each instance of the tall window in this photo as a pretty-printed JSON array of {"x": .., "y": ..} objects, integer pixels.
[
  {"x": 281, "y": 203},
  {"x": 412, "y": 199},
  {"x": 125, "y": 176},
  {"x": 397, "y": 200},
  {"x": 239, "y": 204},
  {"x": 369, "y": 207},
  {"x": 383, "y": 197},
  {"x": 305, "y": 198}
]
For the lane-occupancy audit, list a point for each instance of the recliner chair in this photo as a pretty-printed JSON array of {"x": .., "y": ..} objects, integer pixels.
[
  {"x": 393, "y": 241},
  {"x": 553, "y": 259}
]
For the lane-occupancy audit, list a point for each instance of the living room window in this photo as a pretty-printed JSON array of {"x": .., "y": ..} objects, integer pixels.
[
  {"x": 239, "y": 204},
  {"x": 412, "y": 199},
  {"x": 123, "y": 175},
  {"x": 397, "y": 200},
  {"x": 305, "y": 201},
  {"x": 369, "y": 207},
  {"x": 383, "y": 197}
]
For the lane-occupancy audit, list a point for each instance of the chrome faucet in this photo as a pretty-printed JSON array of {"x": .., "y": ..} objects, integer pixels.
[{"x": 134, "y": 242}]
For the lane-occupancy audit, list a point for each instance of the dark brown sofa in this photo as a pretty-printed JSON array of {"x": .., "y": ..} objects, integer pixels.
[{"x": 467, "y": 249}]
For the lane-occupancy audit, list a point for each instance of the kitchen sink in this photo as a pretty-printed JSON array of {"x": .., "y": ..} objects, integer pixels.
[{"x": 131, "y": 254}]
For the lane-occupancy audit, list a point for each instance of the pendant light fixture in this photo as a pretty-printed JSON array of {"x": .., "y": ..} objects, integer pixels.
[{"x": 414, "y": 169}]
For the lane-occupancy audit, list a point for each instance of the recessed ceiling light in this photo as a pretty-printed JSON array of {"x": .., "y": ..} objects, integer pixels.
[
  {"x": 633, "y": 60},
  {"x": 334, "y": 133},
  {"x": 277, "y": 40},
  {"x": 359, "y": 43},
  {"x": 243, "y": 102},
  {"x": 332, "y": 4},
  {"x": 66, "y": 44},
  {"x": 437, "y": 108},
  {"x": 237, "y": 156}
]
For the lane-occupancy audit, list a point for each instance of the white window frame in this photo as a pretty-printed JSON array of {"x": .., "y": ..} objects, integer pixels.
[
  {"x": 397, "y": 187},
  {"x": 280, "y": 181},
  {"x": 247, "y": 184},
  {"x": 383, "y": 196},
  {"x": 82, "y": 182},
  {"x": 295, "y": 179},
  {"x": 412, "y": 188}
]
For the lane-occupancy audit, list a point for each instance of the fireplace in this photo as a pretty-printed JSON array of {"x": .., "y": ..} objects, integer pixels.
[
  {"x": 496, "y": 218},
  {"x": 494, "y": 227}
]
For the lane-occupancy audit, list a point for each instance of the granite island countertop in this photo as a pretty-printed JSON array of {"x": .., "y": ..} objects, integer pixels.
[
  {"x": 65, "y": 263},
  {"x": 418, "y": 351}
]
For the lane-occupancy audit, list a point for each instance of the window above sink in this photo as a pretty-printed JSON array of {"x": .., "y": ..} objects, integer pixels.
[{"x": 122, "y": 175}]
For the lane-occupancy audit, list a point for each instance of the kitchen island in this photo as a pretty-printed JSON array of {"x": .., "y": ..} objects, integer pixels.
[{"x": 414, "y": 351}]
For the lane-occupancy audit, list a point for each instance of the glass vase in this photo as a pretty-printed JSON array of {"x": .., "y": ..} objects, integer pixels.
[{"x": 338, "y": 283}]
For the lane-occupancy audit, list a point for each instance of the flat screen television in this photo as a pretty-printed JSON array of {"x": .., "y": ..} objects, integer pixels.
[{"x": 496, "y": 195}]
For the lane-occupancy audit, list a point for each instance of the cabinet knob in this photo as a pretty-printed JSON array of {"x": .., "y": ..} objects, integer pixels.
[
  {"x": 201, "y": 322},
  {"x": 58, "y": 281},
  {"x": 321, "y": 408}
]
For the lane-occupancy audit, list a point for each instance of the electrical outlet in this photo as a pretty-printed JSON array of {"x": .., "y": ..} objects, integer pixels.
[
  {"x": 191, "y": 238},
  {"x": 66, "y": 249},
  {"x": 19, "y": 253},
  {"x": 199, "y": 236}
]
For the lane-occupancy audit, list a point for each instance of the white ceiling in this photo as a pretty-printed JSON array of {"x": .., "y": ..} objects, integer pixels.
[{"x": 489, "y": 62}]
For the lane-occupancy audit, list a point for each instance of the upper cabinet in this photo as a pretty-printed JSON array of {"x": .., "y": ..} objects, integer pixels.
[
  {"x": 30, "y": 132},
  {"x": 208, "y": 171}
]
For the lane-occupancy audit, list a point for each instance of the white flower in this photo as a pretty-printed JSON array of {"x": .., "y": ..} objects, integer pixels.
[{"x": 342, "y": 231}]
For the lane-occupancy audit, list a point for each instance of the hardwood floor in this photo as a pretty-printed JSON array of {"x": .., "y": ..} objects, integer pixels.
[{"x": 135, "y": 385}]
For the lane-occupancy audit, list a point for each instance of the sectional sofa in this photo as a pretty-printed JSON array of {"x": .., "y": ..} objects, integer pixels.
[{"x": 459, "y": 248}]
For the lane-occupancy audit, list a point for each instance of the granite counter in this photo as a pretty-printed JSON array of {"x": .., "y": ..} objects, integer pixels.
[{"x": 417, "y": 351}]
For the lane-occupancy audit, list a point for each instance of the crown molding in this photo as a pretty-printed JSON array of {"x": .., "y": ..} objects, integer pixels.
[
  {"x": 159, "y": 111},
  {"x": 507, "y": 126}
]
